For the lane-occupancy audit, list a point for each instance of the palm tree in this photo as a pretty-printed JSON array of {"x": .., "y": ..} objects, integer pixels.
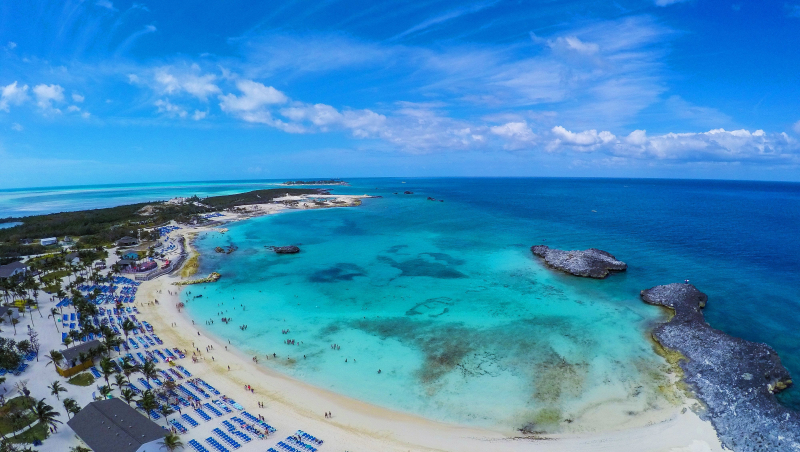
[
  {"x": 149, "y": 370},
  {"x": 46, "y": 414},
  {"x": 165, "y": 411},
  {"x": 148, "y": 402},
  {"x": 67, "y": 341},
  {"x": 128, "y": 326},
  {"x": 10, "y": 319},
  {"x": 120, "y": 380},
  {"x": 105, "y": 390},
  {"x": 54, "y": 356},
  {"x": 171, "y": 443},
  {"x": 71, "y": 406},
  {"x": 127, "y": 395},
  {"x": 129, "y": 368},
  {"x": 54, "y": 313},
  {"x": 55, "y": 388},
  {"x": 107, "y": 369}
]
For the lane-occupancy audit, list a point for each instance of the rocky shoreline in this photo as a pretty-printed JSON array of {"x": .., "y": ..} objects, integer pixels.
[
  {"x": 591, "y": 263},
  {"x": 736, "y": 379}
]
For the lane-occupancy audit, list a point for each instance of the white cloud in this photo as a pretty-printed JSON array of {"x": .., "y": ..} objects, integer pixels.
[
  {"x": 12, "y": 94},
  {"x": 668, "y": 2},
  {"x": 86, "y": 115},
  {"x": 198, "y": 115},
  {"x": 170, "y": 109},
  {"x": 105, "y": 4},
  {"x": 73, "y": 108},
  {"x": 796, "y": 127},
  {"x": 572, "y": 43},
  {"x": 255, "y": 96},
  {"x": 46, "y": 95},
  {"x": 171, "y": 81},
  {"x": 587, "y": 140},
  {"x": 714, "y": 145},
  {"x": 11, "y": 45},
  {"x": 17, "y": 127},
  {"x": 77, "y": 97},
  {"x": 518, "y": 134},
  {"x": 362, "y": 123}
]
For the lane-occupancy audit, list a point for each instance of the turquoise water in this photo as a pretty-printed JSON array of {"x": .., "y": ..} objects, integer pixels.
[
  {"x": 446, "y": 300},
  {"x": 35, "y": 201}
]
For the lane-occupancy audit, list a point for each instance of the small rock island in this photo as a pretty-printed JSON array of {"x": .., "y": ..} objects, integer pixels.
[
  {"x": 591, "y": 263},
  {"x": 736, "y": 379},
  {"x": 289, "y": 249}
]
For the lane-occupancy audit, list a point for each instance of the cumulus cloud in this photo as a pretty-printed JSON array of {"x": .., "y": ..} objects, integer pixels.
[
  {"x": 796, "y": 127},
  {"x": 46, "y": 95},
  {"x": 517, "y": 134},
  {"x": 17, "y": 127},
  {"x": 77, "y": 97},
  {"x": 198, "y": 115},
  {"x": 715, "y": 145},
  {"x": 584, "y": 141},
  {"x": 170, "y": 109},
  {"x": 171, "y": 81},
  {"x": 362, "y": 123},
  {"x": 254, "y": 96},
  {"x": 12, "y": 94},
  {"x": 73, "y": 108}
]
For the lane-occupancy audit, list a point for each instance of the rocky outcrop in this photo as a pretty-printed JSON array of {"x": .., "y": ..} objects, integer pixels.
[
  {"x": 290, "y": 249},
  {"x": 591, "y": 263},
  {"x": 736, "y": 379}
]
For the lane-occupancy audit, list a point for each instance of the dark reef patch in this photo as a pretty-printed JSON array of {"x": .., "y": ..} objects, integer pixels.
[
  {"x": 396, "y": 249},
  {"x": 736, "y": 379},
  {"x": 421, "y": 266},
  {"x": 349, "y": 227},
  {"x": 434, "y": 307},
  {"x": 340, "y": 272}
]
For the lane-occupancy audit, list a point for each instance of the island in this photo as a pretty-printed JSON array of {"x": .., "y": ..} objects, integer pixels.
[
  {"x": 289, "y": 249},
  {"x": 316, "y": 182},
  {"x": 736, "y": 379},
  {"x": 591, "y": 263}
]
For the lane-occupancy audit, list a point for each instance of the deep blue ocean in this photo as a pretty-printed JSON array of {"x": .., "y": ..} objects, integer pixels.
[{"x": 466, "y": 326}]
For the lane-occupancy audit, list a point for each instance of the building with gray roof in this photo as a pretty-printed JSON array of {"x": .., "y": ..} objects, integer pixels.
[{"x": 113, "y": 426}]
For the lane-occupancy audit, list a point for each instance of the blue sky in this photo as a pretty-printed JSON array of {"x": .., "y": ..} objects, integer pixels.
[{"x": 107, "y": 91}]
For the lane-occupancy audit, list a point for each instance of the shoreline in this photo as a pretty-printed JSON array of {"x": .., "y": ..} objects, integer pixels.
[{"x": 358, "y": 425}]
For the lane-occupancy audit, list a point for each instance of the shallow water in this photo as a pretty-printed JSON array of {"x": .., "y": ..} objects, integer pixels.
[
  {"x": 35, "y": 201},
  {"x": 466, "y": 326}
]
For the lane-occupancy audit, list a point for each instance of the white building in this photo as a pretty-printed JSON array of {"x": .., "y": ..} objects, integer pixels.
[{"x": 49, "y": 241}]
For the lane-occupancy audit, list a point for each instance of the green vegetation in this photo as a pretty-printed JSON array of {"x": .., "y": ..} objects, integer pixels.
[
  {"x": 104, "y": 226},
  {"x": 38, "y": 431},
  {"x": 82, "y": 379}
]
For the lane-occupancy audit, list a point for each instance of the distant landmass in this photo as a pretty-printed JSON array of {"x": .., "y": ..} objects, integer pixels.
[{"x": 316, "y": 182}]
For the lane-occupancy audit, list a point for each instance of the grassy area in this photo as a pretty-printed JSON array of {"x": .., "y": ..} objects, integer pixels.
[
  {"x": 20, "y": 403},
  {"x": 39, "y": 431},
  {"x": 55, "y": 276},
  {"x": 82, "y": 379}
]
